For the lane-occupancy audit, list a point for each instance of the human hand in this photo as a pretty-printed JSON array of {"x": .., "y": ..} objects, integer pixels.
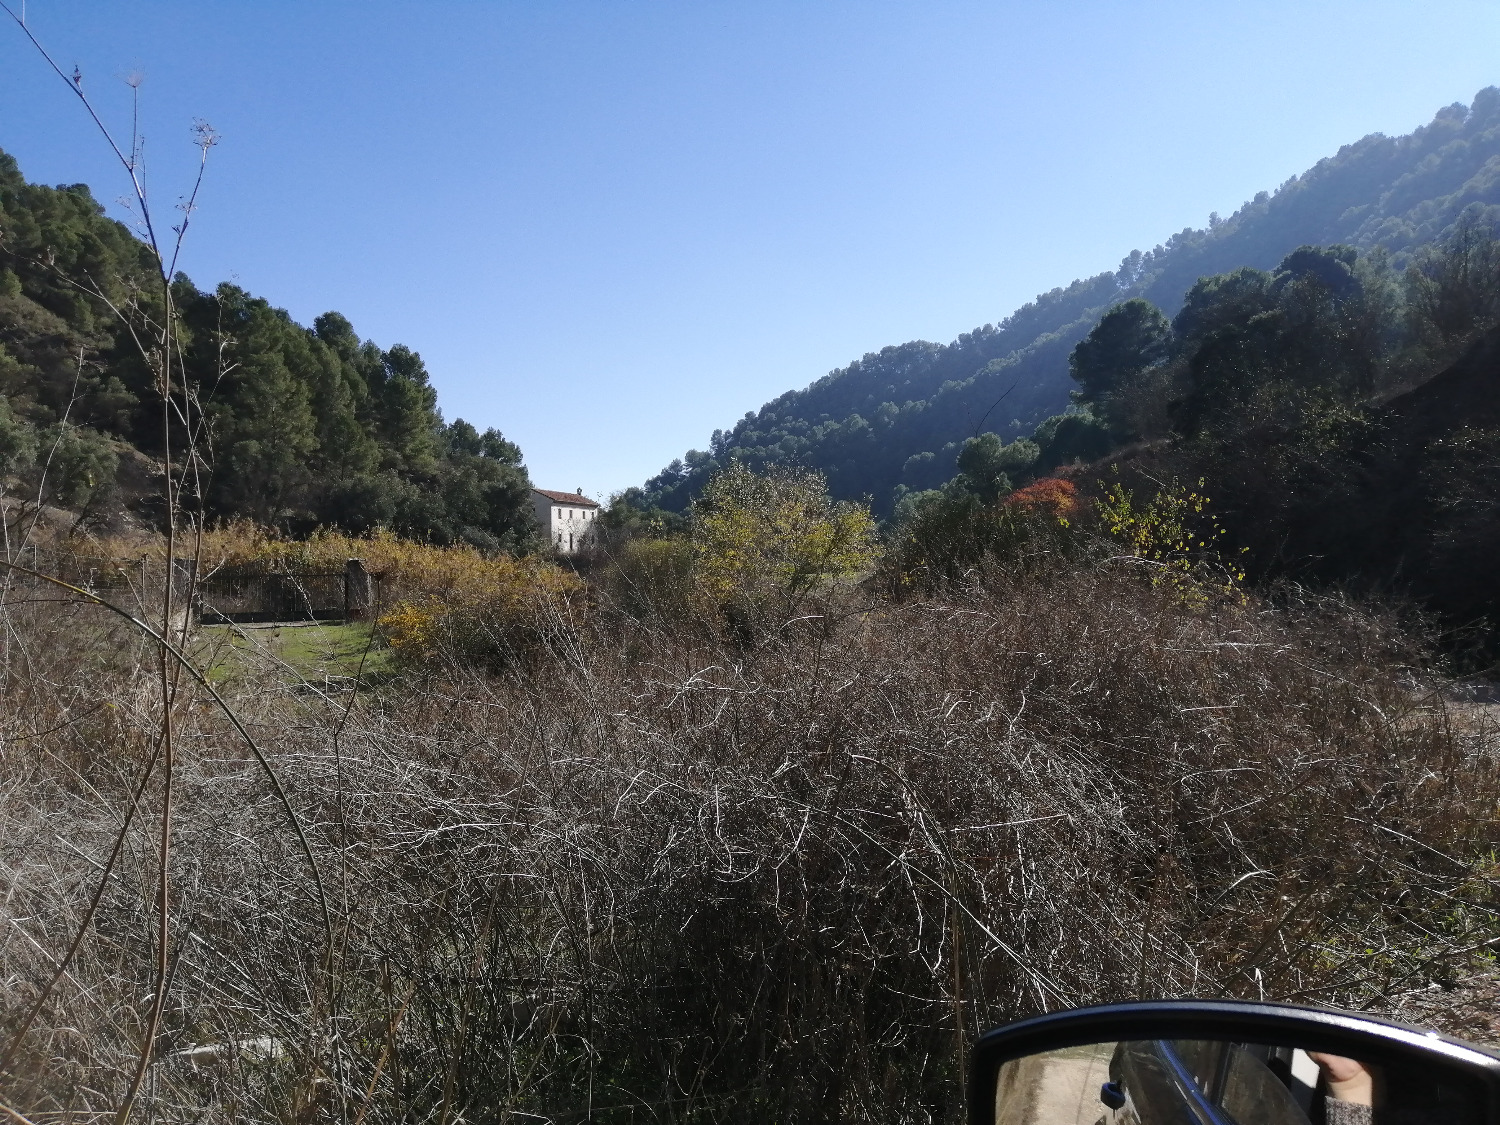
[{"x": 1347, "y": 1079}]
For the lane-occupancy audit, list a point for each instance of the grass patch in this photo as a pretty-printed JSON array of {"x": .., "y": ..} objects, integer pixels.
[{"x": 313, "y": 652}]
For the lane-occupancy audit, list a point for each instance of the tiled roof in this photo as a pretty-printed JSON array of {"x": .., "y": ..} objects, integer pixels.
[{"x": 577, "y": 498}]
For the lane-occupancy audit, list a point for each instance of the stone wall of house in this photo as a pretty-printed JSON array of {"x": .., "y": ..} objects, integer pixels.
[{"x": 566, "y": 525}]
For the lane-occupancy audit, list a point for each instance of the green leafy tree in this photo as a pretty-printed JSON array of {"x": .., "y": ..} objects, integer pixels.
[
  {"x": 263, "y": 428},
  {"x": 763, "y": 542},
  {"x": 17, "y": 441},
  {"x": 338, "y": 397},
  {"x": 986, "y": 464},
  {"x": 1453, "y": 290},
  {"x": 406, "y": 408},
  {"x": 1220, "y": 301},
  {"x": 486, "y": 490},
  {"x": 631, "y": 515},
  {"x": 1129, "y": 339},
  {"x": 74, "y": 465},
  {"x": 1063, "y": 439},
  {"x": 1273, "y": 350}
]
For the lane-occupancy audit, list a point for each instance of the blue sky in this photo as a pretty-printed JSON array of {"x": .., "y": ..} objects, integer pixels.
[{"x": 611, "y": 226}]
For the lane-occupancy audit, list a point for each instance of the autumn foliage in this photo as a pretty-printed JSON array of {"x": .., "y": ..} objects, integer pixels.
[{"x": 1053, "y": 495}]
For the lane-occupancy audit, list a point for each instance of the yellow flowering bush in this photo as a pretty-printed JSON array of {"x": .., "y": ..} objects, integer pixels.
[
  {"x": 491, "y": 613},
  {"x": 413, "y": 628}
]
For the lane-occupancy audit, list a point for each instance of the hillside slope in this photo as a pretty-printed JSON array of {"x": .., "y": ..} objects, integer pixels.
[
  {"x": 895, "y": 418},
  {"x": 305, "y": 426}
]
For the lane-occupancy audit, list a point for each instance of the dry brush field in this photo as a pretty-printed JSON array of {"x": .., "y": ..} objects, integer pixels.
[{"x": 641, "y": 872}]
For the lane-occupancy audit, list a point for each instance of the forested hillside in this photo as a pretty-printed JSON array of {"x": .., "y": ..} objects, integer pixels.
[
  {"x": 1333, "y": 421},
  {"x": 895, "y": 419},
  {"x": 306, "y": 426}
]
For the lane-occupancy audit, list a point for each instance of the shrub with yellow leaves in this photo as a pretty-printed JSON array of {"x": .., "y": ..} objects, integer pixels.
[
  {"x": 1176, "y": 533},
  {"x": 438, "y": 601},
  {"x": 492, "y": 611},
  {"x": 761, "y": 544}
]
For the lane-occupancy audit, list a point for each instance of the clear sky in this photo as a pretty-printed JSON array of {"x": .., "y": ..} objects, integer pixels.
[{"x": 611, "y": 226}]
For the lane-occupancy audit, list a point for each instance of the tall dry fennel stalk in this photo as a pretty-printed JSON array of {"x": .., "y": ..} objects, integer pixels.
[{"x": 151, "y": 323}]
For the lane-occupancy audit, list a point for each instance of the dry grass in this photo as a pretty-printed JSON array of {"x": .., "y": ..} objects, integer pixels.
[{"x": 644, "y": 875}]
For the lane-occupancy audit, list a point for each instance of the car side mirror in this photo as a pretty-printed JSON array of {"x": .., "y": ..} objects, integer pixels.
[{"x": 1227, "y": 1062}]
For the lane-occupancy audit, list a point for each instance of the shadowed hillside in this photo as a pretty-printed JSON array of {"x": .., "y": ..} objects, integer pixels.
[{"x": 896, "y": 418}]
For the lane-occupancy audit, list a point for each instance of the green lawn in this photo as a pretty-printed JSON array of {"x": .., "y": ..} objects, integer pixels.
[{"x": 316, "y": 653}]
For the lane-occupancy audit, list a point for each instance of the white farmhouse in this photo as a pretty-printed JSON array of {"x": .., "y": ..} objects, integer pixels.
[{"x": 567, "y": 518}]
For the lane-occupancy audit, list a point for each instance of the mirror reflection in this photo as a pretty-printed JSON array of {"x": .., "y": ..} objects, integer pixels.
[{"x": 1209, "y": 1082}]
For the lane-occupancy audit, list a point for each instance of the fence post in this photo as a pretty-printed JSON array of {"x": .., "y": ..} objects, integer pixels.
[{"x": 359, "y": 591}]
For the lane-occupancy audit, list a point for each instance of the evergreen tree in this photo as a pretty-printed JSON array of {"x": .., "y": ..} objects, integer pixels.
[{"x": 304, "y": 426}]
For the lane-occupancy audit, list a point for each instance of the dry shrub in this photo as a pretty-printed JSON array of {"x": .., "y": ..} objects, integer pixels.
[
  {"x": 656, "y": 877},
  {"x": 505, "y": 611},
  {"x": 652, "y": 579}
]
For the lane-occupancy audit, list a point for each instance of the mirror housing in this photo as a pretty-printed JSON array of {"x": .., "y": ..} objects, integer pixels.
[{"x": 1378, "y": 1041}]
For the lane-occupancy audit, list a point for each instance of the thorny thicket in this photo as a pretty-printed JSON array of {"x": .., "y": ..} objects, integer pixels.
[{"x": 645, "y": 875}]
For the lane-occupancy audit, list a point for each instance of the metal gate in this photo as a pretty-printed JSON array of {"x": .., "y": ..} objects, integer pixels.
[{"x": 259, "y": 593}]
